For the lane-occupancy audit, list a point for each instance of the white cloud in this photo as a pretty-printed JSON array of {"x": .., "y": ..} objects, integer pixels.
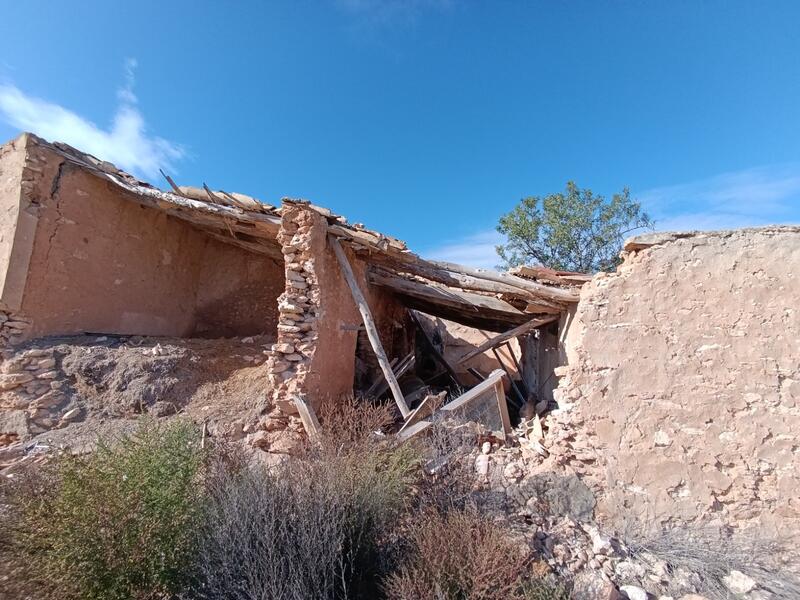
[
  {"x": 476, "y": 250},
  {"x": 757, "y": 196},
  {"x": 127, "y": 143}
]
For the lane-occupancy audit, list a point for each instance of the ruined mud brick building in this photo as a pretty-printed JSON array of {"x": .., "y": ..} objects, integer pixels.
[{"x": 671, "y": 386}]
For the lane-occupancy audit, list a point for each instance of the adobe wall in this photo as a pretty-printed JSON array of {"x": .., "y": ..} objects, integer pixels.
[
  {"x": 681, "y": 401},
  {"x": 100, "y": 262}
]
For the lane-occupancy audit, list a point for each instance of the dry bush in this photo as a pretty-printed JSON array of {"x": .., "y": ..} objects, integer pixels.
[
  {"x": 459, "y": 555},
  {"x": 449, "y": 468},
  {"x": 711, "y": 555},
  {"x": 312, "y": 527},
  {"x": 114, "y": 524}
]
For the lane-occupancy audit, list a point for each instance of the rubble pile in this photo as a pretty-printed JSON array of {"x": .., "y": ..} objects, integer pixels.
[
  {"x": 62, "y": 393},
  {"x": 554, "y": 515}
]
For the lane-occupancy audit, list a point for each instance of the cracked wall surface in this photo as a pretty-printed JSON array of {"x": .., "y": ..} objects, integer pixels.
[
  {"x": 98, "y": 262},
  {"x": 681, "y": 401}
]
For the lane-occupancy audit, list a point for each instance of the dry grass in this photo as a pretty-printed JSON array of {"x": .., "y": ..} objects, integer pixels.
[
  {"x": 711, "y": 555},
  {"x": 315, "y": 526},
  {"x": 460, "y": 555}
]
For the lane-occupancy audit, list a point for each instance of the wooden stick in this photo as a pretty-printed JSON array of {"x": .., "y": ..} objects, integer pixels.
[
  {"x": 308, "y": 417},
  {"x": 377, "y": 388},
  {"x": 519, "y": 367},
  {"x": 511, "y": 333},
  {"x": 432, "y": 349},
  {"x": 369, "y": 324},
  {"x": 502, "y": 406},
  {"x": 510, "y": 379},
  {"x": 172, "y": 184}
]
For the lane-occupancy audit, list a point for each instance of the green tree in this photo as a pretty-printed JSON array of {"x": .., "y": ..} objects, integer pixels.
[{"x": 574, "y": 230}]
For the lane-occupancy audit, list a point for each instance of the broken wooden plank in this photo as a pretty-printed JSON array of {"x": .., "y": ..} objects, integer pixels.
[
  {"x": 500, "y": 393},
  {"x": 511, "y": 333},
  {"x": 308, "y": 417},
  {"x": 414, "y": 430},
  {"x": 493, "y": 383},
  {"x": 369, "y": 324},
  {"x": 424, "y": 410},
  {"x": 478, "y": 390},
  {"x": 172, "y": 184}
]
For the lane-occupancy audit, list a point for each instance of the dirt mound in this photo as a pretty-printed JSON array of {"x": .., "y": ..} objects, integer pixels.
[{"x": 66, "y": 391}]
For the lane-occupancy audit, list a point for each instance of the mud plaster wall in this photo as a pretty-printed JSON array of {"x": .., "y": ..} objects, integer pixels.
[
  {"x": 14, "y": 227},
  {"x": 682, "y": 396},
  {"x": 103, "y": 263},
  {"x": 458, "y": 340}
]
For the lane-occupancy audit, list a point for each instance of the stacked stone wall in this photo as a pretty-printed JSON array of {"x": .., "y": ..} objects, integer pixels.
[{"x": 302, "y": 237}]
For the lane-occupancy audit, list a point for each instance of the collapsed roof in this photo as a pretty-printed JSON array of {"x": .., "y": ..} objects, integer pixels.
[{"x": 477, "y": 297}]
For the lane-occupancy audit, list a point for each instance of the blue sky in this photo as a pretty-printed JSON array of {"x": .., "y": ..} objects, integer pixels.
[{"x": 426, "y": 119}]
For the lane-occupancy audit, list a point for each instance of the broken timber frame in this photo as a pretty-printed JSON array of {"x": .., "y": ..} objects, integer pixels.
[
  {"x": 511, "y": 333},
  {"x": 369, "y": 325},
  {"x": 493, "y": 381}
]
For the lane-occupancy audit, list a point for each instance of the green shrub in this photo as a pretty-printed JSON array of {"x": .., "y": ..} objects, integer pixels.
[{"x": 115, "y": 524}]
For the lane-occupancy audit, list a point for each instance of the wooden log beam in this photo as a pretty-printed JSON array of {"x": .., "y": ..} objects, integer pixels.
[
  {"x": 414, "y": 265},
  {"x": 511, "y": 333},
  {"x": 454, "y": 298},
  {"x": 369, "y": 325},
  {"x": 564, "y": 295}
]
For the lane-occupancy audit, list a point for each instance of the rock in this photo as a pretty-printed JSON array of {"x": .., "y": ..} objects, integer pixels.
[
  {"x": 259, "y": 440},
  {"x": 661, "y": 439},
  {"x": 626, "y": 570},
  {"x": 513, "y": 471},
  {"x": 70, "y": 415},
  {"x": 47, "y": 375},
  {"x": 294, "y": 276},
  {"x": 12, "y": 380},
  {"x": 594, "y": 585},
  {"x": 287, "y": 307},
  {"x": 486, "y": 447},
  {"x": 293, "y": 357},
  {"x": 482, "y": 465},
  {"x": 633, "y": 592},
  {"x": 14, "y": 422},
  {"x": 692, "y": 597},
  {"x": 283, "y": 348},
  {"x": 601, "y": 544},
  {"x": 46, "y": 363},
  {"x": 279, "y": 366},
  {"x": 739, "y": 583},
  {"x": 287, "y": 407}
]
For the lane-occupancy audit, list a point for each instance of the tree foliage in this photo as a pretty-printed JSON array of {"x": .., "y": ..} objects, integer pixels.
[{"x": 574, "y": 230}]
